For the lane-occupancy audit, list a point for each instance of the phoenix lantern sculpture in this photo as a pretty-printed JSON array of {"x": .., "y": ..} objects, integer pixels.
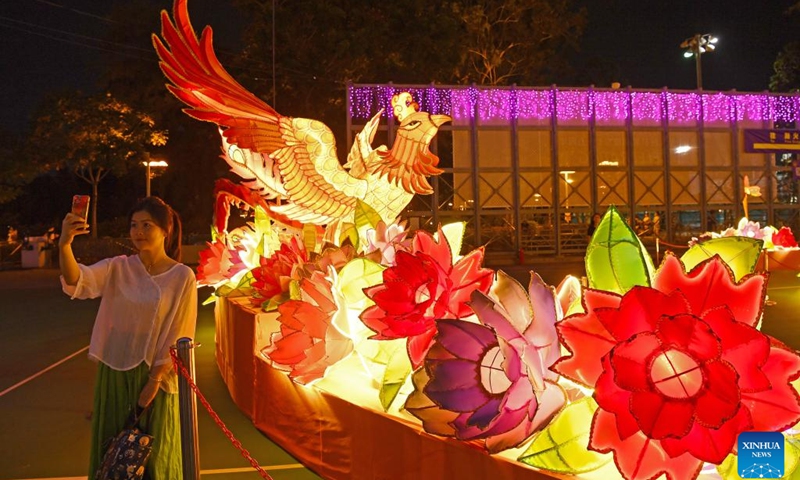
[{"x": 291, "y": 163}]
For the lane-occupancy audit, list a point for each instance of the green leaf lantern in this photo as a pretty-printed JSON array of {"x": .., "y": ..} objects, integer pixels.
[
  {"x": 454, "y": 232},
  {"x": 243, "y": 288},
  {"x": 398, "y": 370},
  {"x": 354, "y": 277},
  {"x": 268, "y": 240},
  {"x": 365, "y": 218},
  {"x": 562, "y": 446},
  {"x": 740, "y": 253},
  {"x": 616, "y": 260}
]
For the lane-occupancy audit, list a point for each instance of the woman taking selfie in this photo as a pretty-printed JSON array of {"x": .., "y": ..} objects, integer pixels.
[{"x": 149, "y": 301}]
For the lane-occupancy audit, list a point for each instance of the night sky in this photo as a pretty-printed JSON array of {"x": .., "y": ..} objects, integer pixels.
[
  {"x": 643, "y": 37},
  {"x": 56, "y": 45},
  {"x": 44, "y": 43}
]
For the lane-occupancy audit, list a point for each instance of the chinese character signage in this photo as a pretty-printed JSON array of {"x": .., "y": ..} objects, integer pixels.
[{"x": 771, "y": 141}]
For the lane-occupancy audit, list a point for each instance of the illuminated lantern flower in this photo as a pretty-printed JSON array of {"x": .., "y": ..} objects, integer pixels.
[
  {"x": 273, "y": 276},
  {"x": 384, "y": 241},
  {"x": 218, "y": 264},
  {"x": 423, "y": 286},
  {"x": 750, "y": 229},
  {"x": 491, "y": 380},
  {"x": 333, "y": 256},
  {"x": 679, "y": 370},
  {"x": 308, "y": 341},
  {"x": 784, "y": 238}
]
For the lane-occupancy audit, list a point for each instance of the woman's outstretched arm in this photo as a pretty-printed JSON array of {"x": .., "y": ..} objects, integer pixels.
[{"x": 72, "y": 226}]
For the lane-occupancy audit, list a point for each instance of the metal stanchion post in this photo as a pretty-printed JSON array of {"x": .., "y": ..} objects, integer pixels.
[
  {"x": 188, "y": 408},
  {"x": 658, "y": 251}
]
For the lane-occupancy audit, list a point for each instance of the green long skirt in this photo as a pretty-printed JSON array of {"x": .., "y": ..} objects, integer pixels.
[{"x": 115, "y": 394}]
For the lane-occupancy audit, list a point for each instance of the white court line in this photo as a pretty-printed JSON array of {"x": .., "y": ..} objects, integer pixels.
[
  {"x": 56, "y": 478},
  {"x": 217, "y": 471},
  {"x": 41, "y": 372},
  {"x": 290, "y": 466}
]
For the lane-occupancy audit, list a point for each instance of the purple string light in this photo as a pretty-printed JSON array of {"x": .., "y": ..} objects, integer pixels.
[{"x": 495, "y": 105}]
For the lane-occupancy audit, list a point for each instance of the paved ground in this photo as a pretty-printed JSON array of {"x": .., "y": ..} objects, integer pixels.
[{"x": 44, "y": 423}]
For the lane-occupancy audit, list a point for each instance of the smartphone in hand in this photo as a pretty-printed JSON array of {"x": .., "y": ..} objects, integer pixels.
[{"x": 80, "y": 206}]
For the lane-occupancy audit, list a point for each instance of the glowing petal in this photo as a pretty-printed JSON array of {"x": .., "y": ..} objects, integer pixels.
[
  {"x": 639, "y": 457},
  {"x": 562, "y": 446}
]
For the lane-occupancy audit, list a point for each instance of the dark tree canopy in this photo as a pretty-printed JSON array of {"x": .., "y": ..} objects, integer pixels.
[
  {"x": 516, "y": 41},
  {"x": 321, "y": 46},
  {"x": 786, "y": 76},
  {"x": 787, "y": 69},
  {"x": 486, "y": 41},
  {"x": 93, "y": 137},
  {"x": 15, "y": 170}
]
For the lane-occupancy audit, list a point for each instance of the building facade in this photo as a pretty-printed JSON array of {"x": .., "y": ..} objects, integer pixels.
[{"x": 526, "y": 168}]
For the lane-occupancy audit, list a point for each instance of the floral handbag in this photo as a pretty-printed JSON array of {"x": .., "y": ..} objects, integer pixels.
[{"x": 127, "y": 453}]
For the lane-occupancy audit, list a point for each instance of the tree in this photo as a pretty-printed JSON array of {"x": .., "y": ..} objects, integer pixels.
[
  {"x": 516, "y": 41},
  {"x": 15, "y": 173},
  {"x": 787, "y": 64},
  {"x": 321, "y": 46},
  {"x": 787, "y": 69},
  {"x": 92, "y": 136}
]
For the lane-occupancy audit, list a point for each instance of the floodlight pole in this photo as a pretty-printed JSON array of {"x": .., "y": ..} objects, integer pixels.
[
  {"x": 699, "y": 64},
  {"x": 697, "y": 45}
]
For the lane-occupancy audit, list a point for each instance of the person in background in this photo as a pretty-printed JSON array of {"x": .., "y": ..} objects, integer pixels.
[
  {"x": 51, "y": 236},
  {"x": 13, "y": 235},
  {"x": 593, "y": 223},
  {"x": 149, "y": 301},
  {"x": 656, "y": 224}
]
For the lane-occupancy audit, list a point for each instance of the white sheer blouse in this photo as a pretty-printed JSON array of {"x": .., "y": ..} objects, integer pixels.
[{"x": 140, "y": 316}]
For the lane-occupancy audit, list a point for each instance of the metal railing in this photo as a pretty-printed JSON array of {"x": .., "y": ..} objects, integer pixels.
[{"x": 183, "y": 362}]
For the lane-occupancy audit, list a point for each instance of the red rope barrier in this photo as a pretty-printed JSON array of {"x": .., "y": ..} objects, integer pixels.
[
  {"x": 662, "y": 242},
  {"x": 180, "y": 368}
]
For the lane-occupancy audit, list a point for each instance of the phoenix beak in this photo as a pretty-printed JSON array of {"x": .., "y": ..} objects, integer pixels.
[{"x": 438, "y": 120}]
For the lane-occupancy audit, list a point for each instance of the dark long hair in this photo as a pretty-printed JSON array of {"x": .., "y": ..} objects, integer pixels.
[{"x": 167, "y": 219}]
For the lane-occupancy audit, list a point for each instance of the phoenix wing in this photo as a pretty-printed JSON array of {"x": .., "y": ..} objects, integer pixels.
[{"x": 276, "y": 155}]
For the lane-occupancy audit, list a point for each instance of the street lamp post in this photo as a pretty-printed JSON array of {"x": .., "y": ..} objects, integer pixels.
[
  {"x": 697, "y": 45},
  {"x": 149, "y": 173}
]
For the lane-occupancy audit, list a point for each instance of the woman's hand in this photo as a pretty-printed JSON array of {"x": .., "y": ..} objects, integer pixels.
[
  {"x": 71, "y": 226},
  {"x": 149, "y": 392}
]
